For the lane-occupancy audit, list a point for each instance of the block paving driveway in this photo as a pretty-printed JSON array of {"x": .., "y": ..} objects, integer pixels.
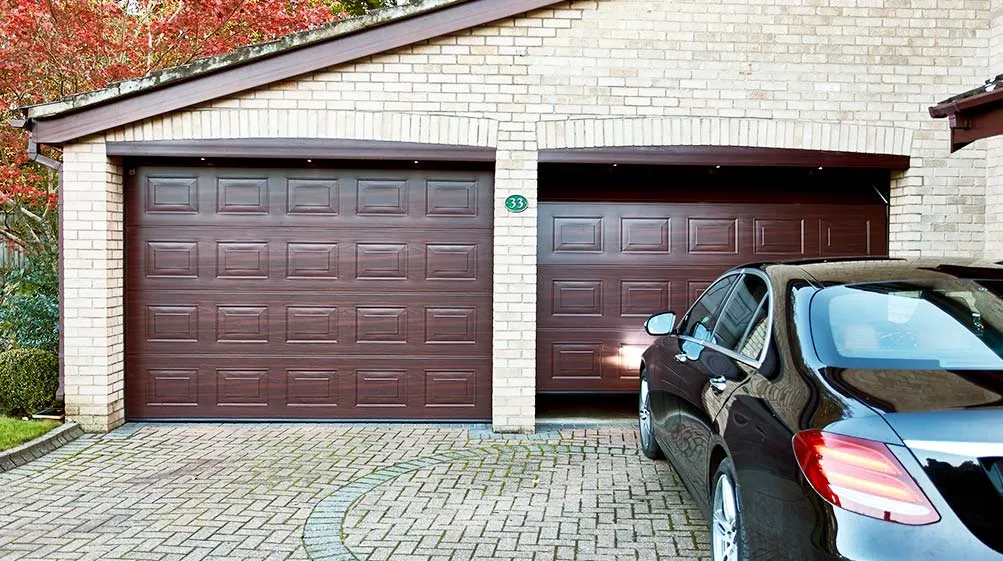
[{"x": 344, "y": 492}]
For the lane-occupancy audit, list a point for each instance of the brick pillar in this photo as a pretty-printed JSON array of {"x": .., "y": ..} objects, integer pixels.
[
  {"x": 92, "y": 287},
  {"x": 905, "y": 213},
  {"x": 514, "y": 359}
]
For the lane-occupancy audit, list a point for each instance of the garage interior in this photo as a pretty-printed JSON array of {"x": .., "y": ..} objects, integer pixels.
[{"x": 618, "y": 242}]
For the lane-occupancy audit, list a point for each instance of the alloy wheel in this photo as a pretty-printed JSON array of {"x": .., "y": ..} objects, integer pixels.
[
  {"x": 644, "y": 414},
  {"x": 724, "y": 529}
]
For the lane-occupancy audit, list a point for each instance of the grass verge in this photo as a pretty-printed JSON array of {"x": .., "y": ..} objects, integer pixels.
[{"x": 16, "y": 431}]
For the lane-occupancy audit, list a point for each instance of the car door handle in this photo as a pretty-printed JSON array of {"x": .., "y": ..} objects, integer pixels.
[
  {"x": 719, "y": 383},
  {"x": 681, "y": 357}
]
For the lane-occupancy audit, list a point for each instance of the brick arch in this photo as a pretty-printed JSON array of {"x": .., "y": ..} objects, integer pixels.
[
  {"x": 215, "y": 124},
  {"x": 723, "y": 131}
]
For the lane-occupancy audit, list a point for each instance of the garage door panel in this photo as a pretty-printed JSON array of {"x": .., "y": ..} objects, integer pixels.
[
  {"x": 270, "y": 293},
  {"x": 311, "y": 258},
  {"x": 589, "y": 360},
  {"x": 348, "y": 323},
  {"x": 780, "y": 236},
  {"x": 578, "y": 296},
  {"x": 848, "y": 234},
  {"x": 604, "y": 267},
  {"x": 712, "y": 236},
  {"x": 310, "y": 387},
  {"x": 704, "y": 234},
  {"x": 238, "y": 198}
]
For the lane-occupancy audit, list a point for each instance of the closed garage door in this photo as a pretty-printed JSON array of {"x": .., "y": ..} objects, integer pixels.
[
  {"x": 292, "y": 293},
  {"x": 606, "y": 265}
]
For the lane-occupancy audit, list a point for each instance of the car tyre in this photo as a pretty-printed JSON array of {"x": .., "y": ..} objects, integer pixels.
[
  {"x": 727, "y": 529},
  {"x": 645, "y": 422}
]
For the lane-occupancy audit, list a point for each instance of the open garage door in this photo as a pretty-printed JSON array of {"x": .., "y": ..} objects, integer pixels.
[{"x": 617, "y": 245}]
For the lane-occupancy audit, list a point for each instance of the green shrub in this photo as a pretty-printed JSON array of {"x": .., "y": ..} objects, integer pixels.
[
  {"x": 29, "y": 316},
  {"x": 29, "y": 379}
]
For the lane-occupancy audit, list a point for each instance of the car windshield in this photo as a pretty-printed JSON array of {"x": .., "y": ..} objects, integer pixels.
[{"x": 940, "y": 324}]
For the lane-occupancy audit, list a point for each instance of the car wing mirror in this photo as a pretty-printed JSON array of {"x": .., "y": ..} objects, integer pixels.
[{"x": 660, "y": 324}]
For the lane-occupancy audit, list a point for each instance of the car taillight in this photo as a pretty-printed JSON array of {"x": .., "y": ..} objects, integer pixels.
[{"x": 862, "y": 476}]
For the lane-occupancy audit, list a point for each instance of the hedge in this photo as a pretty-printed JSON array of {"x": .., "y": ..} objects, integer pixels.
[{"x": 29, "y": 379}]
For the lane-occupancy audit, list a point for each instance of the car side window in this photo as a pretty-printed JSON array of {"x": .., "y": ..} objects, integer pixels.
[
  {"x": 702, "y": 317},
  {"x": 742, "y": 323}
]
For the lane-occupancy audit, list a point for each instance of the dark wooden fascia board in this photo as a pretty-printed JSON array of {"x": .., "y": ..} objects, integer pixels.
[
  {"x": 976, "y": 124},
  {"x": 972, "y": 118},
  {"x": 974, "y": 102},
  {"x": 723, "y": 156},
  {"x": 301, "y": 148},
  {"x": 282, "y": 66}
]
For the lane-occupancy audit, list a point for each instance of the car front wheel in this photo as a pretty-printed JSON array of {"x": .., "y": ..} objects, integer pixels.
[{"x": 648, "y": 445}]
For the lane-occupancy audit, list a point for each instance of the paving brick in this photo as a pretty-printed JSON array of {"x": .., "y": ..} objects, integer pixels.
[{"x": 181, "y": 492}]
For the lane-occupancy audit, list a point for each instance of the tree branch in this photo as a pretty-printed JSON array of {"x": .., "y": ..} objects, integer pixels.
[{"x": 198, "y": 50}]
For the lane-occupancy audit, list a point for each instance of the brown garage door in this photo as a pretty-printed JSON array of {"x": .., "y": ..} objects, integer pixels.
[
  {"x": 605, "y": 266},
  {"x": 293, "y": 293}
]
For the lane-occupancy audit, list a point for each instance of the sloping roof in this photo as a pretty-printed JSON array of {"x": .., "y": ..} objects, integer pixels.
[
  {"x": 974, "y": 114},
  {"x": 969, "y": 99},
  {"x": 254, "y": 66}
]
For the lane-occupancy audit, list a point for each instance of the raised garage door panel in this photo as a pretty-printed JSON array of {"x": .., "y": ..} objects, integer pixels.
[
  {"x": 605, "y": 267},
  {"x": 285, "y": 293}
]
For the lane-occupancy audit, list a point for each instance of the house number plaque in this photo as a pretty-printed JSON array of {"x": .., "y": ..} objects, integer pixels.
[{"x": 516, "y": 203}]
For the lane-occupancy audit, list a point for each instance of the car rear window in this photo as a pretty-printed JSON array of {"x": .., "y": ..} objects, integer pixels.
[{"x": 940, "y": 324}]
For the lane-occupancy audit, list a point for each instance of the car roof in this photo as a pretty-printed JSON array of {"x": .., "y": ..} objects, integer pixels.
[{"x": 871, "y": 269}]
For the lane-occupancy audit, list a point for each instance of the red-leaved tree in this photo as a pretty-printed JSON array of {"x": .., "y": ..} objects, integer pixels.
[{"x": 53, "y": 48}]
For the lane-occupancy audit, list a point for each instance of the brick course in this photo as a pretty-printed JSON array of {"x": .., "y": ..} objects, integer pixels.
[{"x": 834, "y": 75}]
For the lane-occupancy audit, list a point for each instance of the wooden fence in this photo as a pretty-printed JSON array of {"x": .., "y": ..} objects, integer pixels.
[{"x": 9, "y": 259}]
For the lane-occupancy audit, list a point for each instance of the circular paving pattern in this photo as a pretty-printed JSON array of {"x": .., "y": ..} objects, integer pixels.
[{"x": 513, "y": 502}]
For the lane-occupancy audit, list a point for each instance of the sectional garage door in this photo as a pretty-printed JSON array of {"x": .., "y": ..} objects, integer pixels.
[
  {"x": 259, "y": 293},
  {"x": 605, "y": 266}
]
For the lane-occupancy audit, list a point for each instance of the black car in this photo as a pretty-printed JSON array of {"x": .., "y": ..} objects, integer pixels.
[{"x": 848, "y": 409}]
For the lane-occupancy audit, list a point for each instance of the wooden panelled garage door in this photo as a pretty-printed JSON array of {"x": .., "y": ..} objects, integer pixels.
[
  {"x": 292, "y": 293},
  {"x": 606, "y": 266}
]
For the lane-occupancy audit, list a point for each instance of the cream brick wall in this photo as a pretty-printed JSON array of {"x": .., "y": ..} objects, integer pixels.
[
  {"x": 93, "y": 284},
  {"x": 819, "y": 74}
]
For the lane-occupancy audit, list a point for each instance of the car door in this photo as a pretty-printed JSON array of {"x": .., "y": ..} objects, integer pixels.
[
  {"x": 739, "y": 340},
  {"x": 725, "y": 355},
  {"x": 677, "y": 352}
]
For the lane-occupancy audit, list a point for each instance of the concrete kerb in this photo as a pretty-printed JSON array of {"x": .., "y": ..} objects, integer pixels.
[
  {"x": 34, "y": 449},
  {"x": 324, "y": 531}
]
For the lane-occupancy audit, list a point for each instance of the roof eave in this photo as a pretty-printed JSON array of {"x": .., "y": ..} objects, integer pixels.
[
  {"x": 968, "y": 101},
  {"x": 243, "y": 56},
  {"x": 973, "y": 115},
  {"x": 115, "y": 111}
]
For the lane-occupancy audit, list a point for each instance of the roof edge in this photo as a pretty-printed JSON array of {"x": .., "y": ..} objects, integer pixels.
[
  {"x": 119, "y": 109},
  {"x": 241, "y": 56},
  {"x": 974, "y": 98}
]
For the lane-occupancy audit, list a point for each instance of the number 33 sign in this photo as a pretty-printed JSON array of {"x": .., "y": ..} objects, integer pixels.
[{"x": 516, "y": 203}]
